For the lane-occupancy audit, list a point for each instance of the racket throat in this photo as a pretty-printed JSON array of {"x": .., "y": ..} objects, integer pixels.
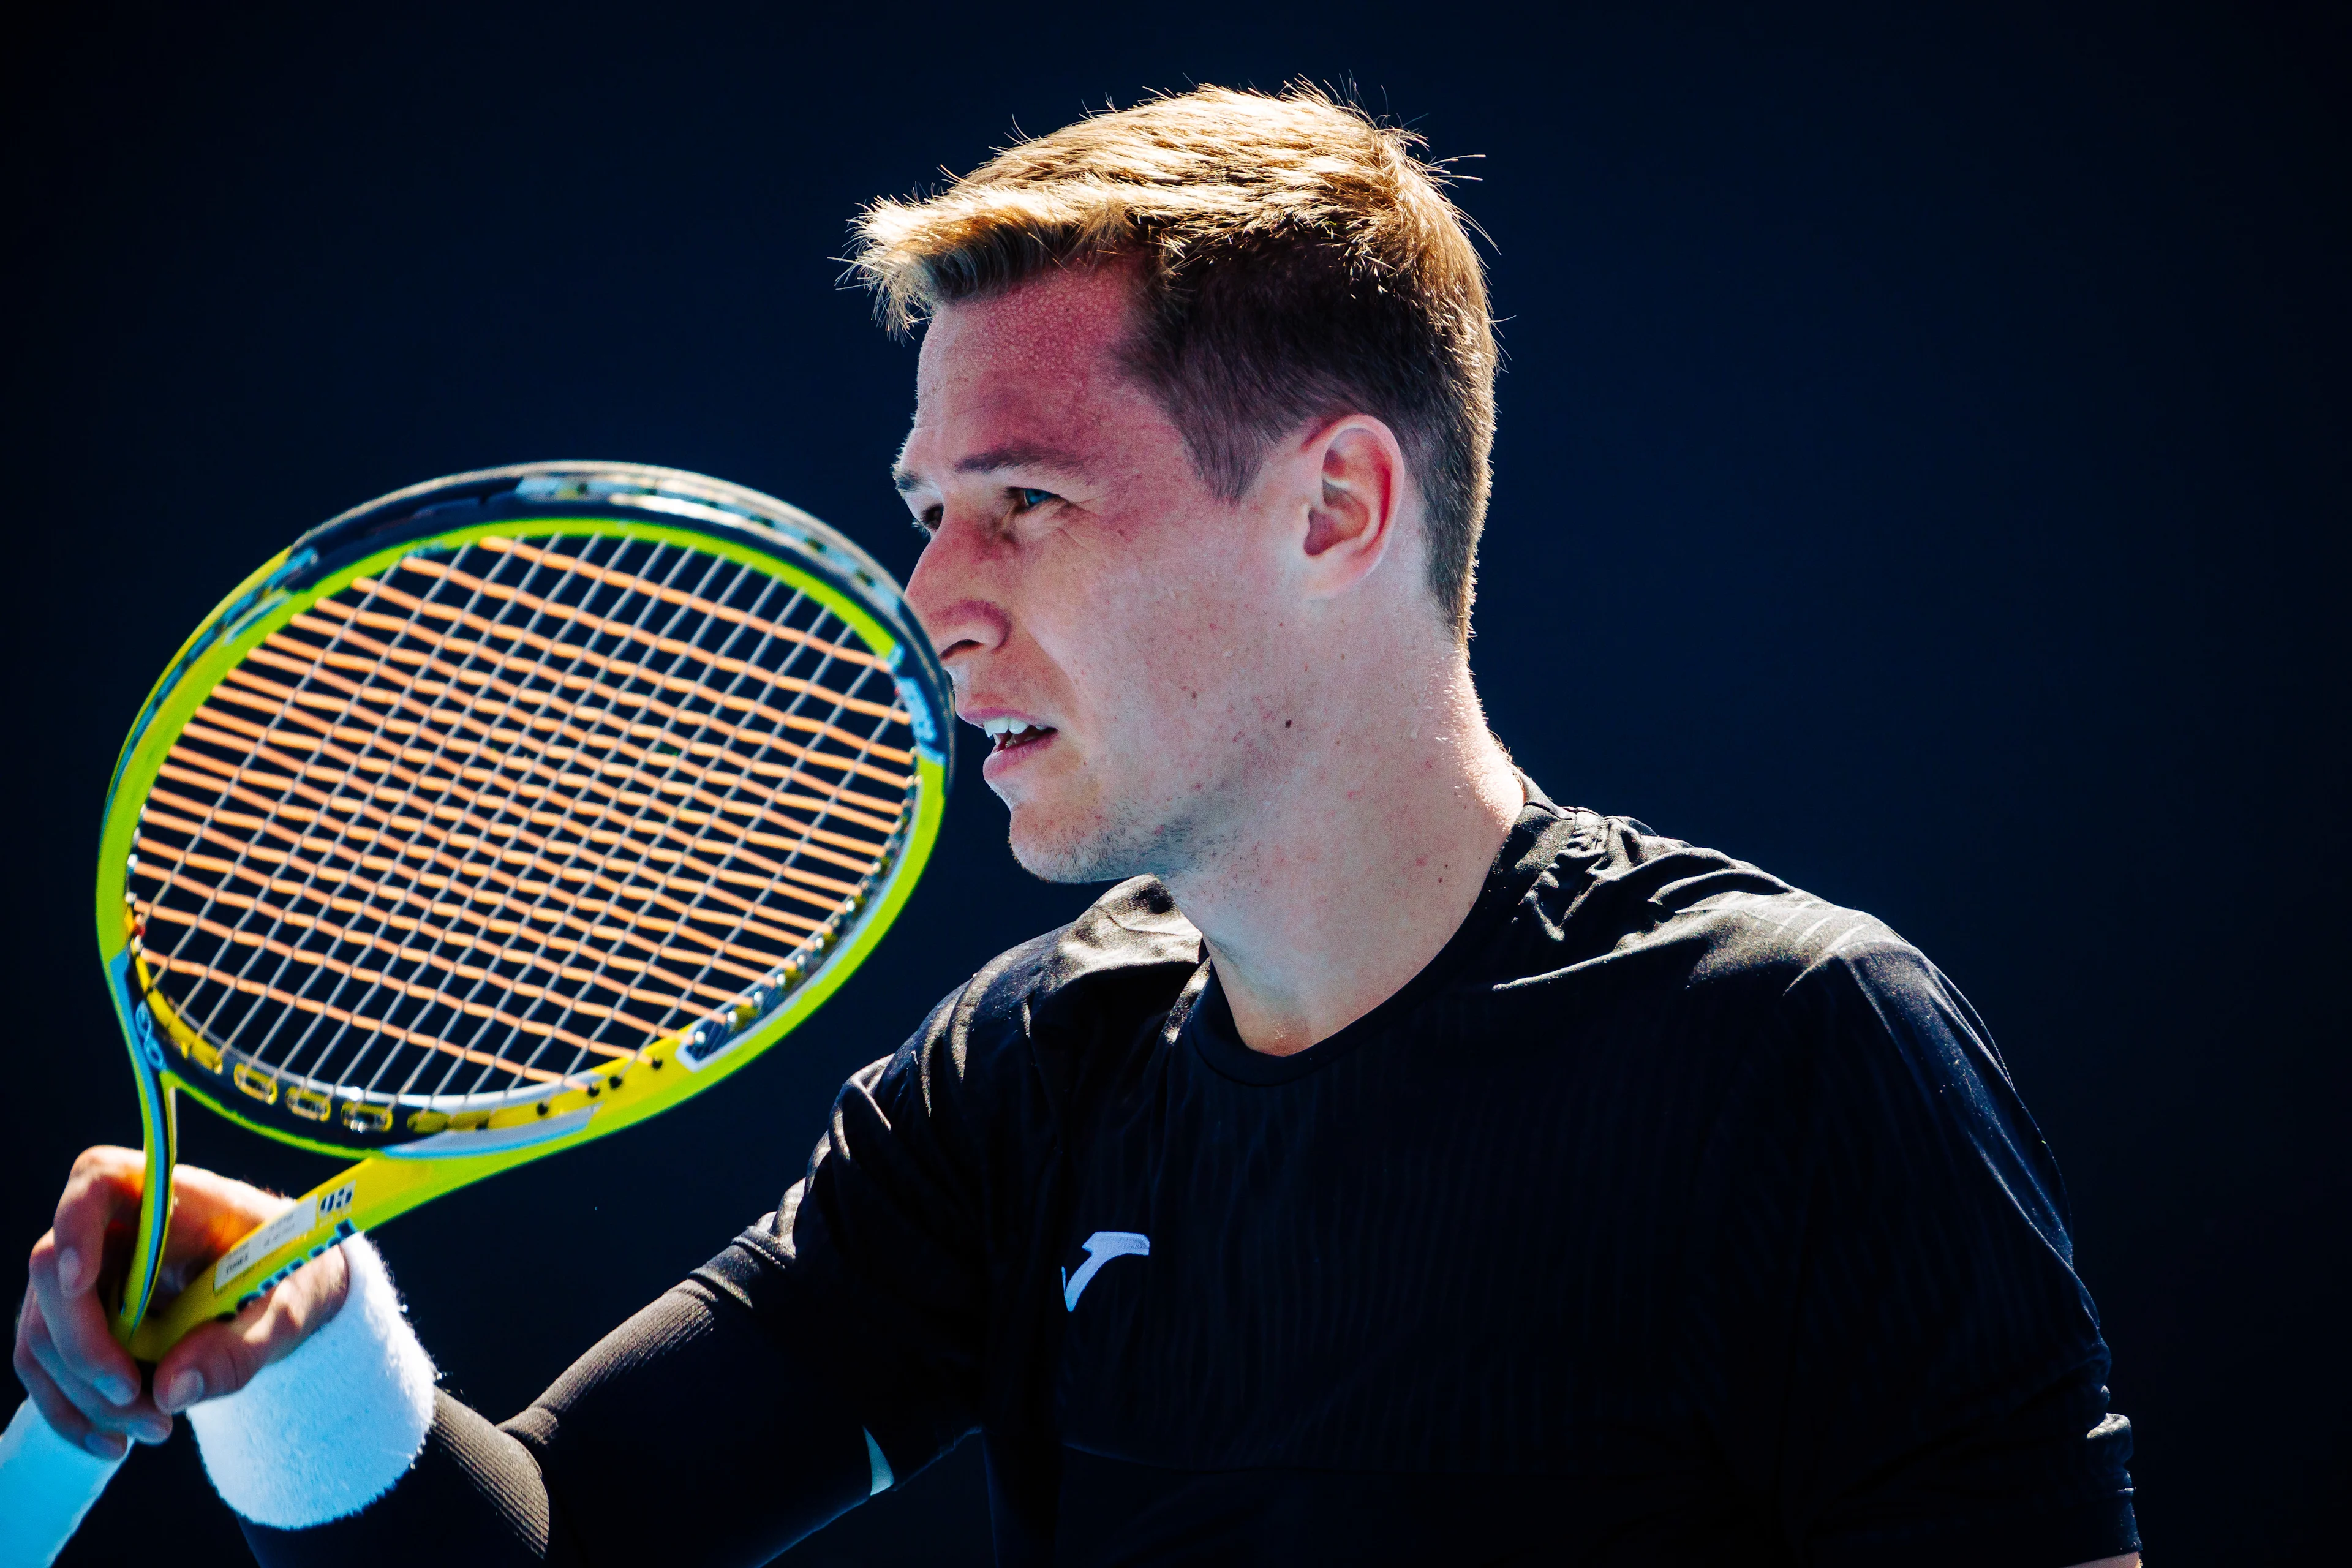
[{"x": 159, "y": 1112}]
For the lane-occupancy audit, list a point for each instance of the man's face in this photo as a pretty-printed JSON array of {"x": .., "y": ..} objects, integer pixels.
[{"x": 1094, "y": 600}]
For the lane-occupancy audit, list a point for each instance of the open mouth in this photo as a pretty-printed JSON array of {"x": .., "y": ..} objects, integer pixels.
[{"x": 1011, "y": 734}]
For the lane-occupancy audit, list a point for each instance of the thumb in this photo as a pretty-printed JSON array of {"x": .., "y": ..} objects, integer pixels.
[{"x": 220, "y": 1357}]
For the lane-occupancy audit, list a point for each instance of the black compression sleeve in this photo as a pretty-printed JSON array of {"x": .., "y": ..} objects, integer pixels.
[
  {"x": 474, "y": 1495},
  {"x": 689, "y": 1436}
]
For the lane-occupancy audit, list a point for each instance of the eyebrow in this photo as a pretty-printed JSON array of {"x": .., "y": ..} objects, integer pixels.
[{"x": 1017, "y": 455}]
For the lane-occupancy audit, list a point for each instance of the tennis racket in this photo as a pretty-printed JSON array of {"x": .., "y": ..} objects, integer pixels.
[{"x": 493, "y": 816}]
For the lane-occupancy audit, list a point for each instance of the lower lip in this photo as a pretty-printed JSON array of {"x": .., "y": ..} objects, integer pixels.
[{"x": 1002, "y": 758}]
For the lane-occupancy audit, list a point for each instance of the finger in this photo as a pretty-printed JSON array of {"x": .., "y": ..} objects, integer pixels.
[
  {"x": 211, "y": 1214},
  {"x": 60, "y": 1413},
  {"x": 103, "y": 1187},
  {"x": 139, "y": 1420},
  {"x": 221, "y": 1358},
  {"x": 75, "y": 1322}
]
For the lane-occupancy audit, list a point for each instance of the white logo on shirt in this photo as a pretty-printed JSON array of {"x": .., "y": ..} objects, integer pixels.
[{"x": 1101, "y": 1248}]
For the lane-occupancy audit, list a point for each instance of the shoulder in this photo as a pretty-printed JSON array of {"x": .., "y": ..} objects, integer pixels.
[
  {"x": 1610, "y": 887},
  {"x": 1739, "y": 956},
  {"x": 1820, "y": 1030},
  {"x": 1043, "y": 1007},
  {"x": 1130, "y": 948},
  {"x": 1853, "y": 1023},
  {"x": 986, "y": 1080}
]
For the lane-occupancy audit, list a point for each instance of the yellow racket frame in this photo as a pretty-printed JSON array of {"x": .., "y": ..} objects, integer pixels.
[{"x": 170, "y": 1057}]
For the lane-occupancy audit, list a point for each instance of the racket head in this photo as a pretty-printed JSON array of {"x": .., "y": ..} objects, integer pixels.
[{"x": 513, "y": 807}]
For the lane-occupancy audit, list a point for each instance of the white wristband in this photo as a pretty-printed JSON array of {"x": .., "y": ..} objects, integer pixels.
[{"x": 327, "y": 1430}]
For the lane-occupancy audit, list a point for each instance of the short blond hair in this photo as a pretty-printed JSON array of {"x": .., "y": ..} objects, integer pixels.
[{"x": 1298, "y": 261}]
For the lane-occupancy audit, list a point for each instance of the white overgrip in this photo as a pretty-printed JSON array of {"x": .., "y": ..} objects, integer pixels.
[
  {"x": 47, "y": 1484},
  {"x": 331, "y": 1427}
]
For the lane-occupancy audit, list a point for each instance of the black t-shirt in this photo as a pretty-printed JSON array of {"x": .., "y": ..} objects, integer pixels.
[{"x": 1670, "y": 1214}]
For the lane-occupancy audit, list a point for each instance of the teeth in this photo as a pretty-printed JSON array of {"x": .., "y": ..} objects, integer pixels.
[{"x": 997, "y": 728}]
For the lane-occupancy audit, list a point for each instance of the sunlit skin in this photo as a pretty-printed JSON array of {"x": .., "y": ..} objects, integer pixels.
[
  {"x": 87, "y": 1386},
  {"x": 1259, "y": 702}
]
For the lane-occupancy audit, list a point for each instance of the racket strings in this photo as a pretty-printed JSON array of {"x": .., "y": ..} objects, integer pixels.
[
  {"x": 453, "y": 970},
  {"x": 245, "y": 990},
  {"x": 279, "y": 1017},
  {"x": 307, "y": 666},
  {"x": 632, "y": 930},
  {"x": 624, "y": 800},
  {"x": 498, "y": 817},
  {"x": 467, "y": 843}
]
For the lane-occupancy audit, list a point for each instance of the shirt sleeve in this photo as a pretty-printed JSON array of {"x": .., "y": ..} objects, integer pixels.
[
  {"x": 836, "y": 1344},
  {"x": 1905, "y": 1367},
  {"x": 693, "y": 1434},
  {"x": 883, "y": 1250}
]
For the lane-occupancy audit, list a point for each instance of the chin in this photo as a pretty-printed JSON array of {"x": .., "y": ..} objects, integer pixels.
[
  {"x": 1064, "y": 856},
  {"x": 1088, "y": 846}
]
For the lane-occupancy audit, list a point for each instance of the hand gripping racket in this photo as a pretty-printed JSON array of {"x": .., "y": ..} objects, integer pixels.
[{"x": 494, "y": 816}]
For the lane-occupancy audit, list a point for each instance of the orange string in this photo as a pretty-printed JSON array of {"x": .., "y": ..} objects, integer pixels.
[
  {"x": 529, "y": 796},
  {"x": 356, "y": 1020},
  {"x": 424, "y": 566},
  {"x": 615, "y": 577}
]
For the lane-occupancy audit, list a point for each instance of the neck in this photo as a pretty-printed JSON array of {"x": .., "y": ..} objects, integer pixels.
[{"x": 1357, "y": 866}]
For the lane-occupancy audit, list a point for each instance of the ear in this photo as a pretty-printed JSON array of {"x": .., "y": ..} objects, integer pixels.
[{"x": 1357, "y": 495}]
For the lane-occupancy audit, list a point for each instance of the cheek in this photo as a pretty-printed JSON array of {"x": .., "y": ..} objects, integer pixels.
[
  {"x": 1178, "y": 650},
  {"x": 1150, "y": 616},
  {"x": 1102, "y": 630}
]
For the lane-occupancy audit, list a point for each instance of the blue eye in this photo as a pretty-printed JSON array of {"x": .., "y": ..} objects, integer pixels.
[{"x": 1030, "y": 499}]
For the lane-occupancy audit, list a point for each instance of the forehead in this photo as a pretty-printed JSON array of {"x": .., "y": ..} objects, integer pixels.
[{"x": 1040, "y": 362}]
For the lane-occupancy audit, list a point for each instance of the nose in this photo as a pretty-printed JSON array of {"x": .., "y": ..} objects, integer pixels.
[{"x": 957, "y": 593}]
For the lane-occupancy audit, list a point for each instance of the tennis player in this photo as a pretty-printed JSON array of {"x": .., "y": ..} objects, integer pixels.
[{"x": 1399, "y": 1166}]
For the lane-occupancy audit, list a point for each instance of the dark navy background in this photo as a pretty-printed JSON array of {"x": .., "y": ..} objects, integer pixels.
[{"x": 1922, "y": 472}]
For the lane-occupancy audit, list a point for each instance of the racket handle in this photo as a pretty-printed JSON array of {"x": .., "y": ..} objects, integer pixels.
[{"x": 47, "y": 1484}]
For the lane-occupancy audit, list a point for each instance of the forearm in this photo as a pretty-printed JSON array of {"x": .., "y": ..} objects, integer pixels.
[
  {"x": 685, "y": 1436},
  {"x": 474, "y": 1495}
]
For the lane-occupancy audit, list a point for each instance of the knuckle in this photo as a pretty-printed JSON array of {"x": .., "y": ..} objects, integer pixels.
[
  {"x": 89, "y": 1353},
  {"x": 240, "y": 1360},
  {"x": 93, "y": 1164},
  {"x": 41, "y": 1267},
  {"x": 102, "y": 1163},
  {"x": 44, "y": 1356},
  {"x": 60, "y": 1413},
  {"x": 285, "y": 1324},
  {"x": 324, "y": 1283}
]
